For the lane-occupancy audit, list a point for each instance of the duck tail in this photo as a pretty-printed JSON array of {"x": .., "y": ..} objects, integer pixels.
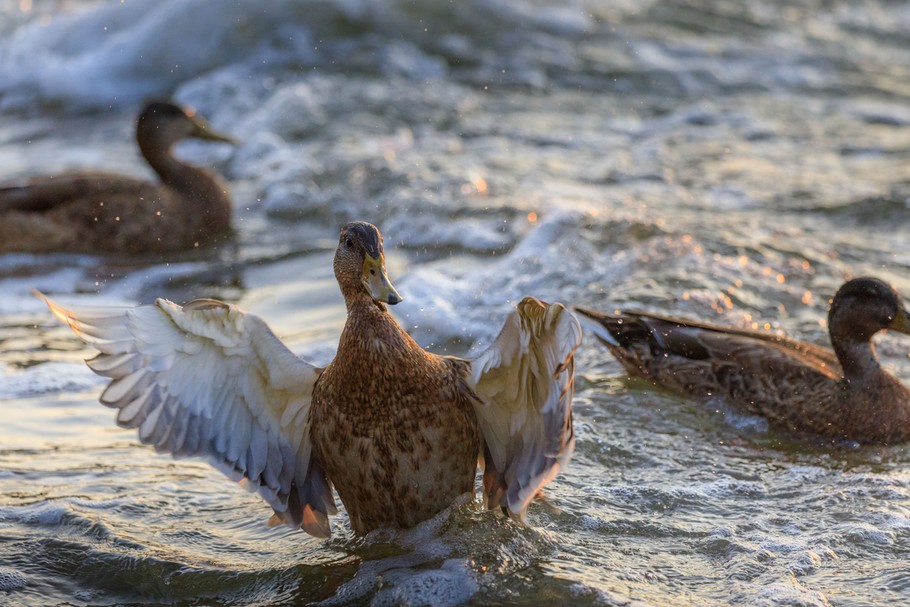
[
  {"x": 632, "y": 336},
  {"x": 614, "y": 330}
]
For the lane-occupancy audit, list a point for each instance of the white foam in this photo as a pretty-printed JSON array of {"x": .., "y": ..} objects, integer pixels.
[
  {"x": 294, "y": 111},
  {"x": 102, "y": 54},
  {"x": 122, "y": 52},
  {"x": 18, "y": 290},
  {"x": 11, "y": 579},
  {"x": 444, "y": 303},
  {"x": 39, "y": 513},
  {"x": 468, "y": 233},
  {"x": 866, "y": 533},
  {"x": 436, "y": 304},
  {"x": 744, "y": 422},
  {"x": 409, "y": 577},
  {"x": 789, "y": 591},
  {"x": 452, "y": 584},
  {"x": 598, "y": 596},
  {"x": 47, "y": 378}
]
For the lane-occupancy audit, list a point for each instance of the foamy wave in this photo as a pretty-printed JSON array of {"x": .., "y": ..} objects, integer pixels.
[
  {"x": 47, "y": 378},
  {"x": 451, "y": 584},
  {"x": 11, "y": 579},
  {"x": 18, "y": 291},
  {"x": 446, "y": 302},
  {"x": 54, "y": 514},
  {"x": 789, "y": 591},
  {"x": 407, "y": 579},
  {"x": 121, "y": 52}
]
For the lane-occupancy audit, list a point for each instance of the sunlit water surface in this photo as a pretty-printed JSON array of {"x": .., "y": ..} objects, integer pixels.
[{"x": 730, "y": 161}]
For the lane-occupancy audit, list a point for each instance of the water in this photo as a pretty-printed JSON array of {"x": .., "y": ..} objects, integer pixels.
[{"x": 730, "y": 161}]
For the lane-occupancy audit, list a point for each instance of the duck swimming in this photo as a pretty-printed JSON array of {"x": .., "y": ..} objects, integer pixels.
[
  {"x": 397, "y": 430},
  {"x": 842, "y": 393},
  {"x": 90, "y": 212}
]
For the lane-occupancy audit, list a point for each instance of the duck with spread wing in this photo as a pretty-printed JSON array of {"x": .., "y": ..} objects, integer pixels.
[{"x": 397, "y": 430}]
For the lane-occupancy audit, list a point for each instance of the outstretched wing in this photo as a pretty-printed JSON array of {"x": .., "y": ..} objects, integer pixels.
[
  {"x": 525, "y": 381},
  {"x": 209, "y": 380}
]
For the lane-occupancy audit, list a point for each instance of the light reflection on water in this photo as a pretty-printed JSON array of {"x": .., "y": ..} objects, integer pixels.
[{"x": 728, "y": 161}]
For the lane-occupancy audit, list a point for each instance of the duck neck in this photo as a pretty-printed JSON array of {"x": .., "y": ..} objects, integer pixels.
[
  {"x": 158, "y": 154},
  {"x": 858, "y": 361},
  {"x": 207, "y": 193},
  {"x": 358, "y": 300},
  {"x": 372, "y": 331}
]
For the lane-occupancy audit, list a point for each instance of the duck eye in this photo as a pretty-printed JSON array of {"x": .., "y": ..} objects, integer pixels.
[{"x": 349, "y": 243}]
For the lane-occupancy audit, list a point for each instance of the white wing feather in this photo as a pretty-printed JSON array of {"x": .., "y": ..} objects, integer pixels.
[
  {"x": 209, "y": 380},
  {"x": 525, "y": 381}
]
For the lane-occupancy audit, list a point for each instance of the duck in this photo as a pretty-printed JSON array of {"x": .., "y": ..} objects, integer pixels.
[
  {"x": 94, "y": 212},
  {"x": 397, "y": 431},
  {"x": 837, "y": 394}
]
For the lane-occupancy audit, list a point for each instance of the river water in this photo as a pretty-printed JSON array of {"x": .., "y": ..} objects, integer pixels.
[{"x": 730, "y": 161}]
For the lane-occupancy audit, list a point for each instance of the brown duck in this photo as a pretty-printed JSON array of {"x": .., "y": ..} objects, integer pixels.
[
  {"x": 840, "y": 394},
  {"x": 396, "y": 429},
  {"x": 88, "y": 212}
]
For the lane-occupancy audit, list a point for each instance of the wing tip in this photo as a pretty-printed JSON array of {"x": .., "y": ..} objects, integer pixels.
[
  {"x": 61, "y": 313},
  {"x": 530, "y": 303},
  {"x": 316, "y": 523},
  {"x": 312, "y": 521},
  {"x": 551, "y": 314}
]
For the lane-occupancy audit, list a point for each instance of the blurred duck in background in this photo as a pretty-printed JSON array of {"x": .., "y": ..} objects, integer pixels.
[
  {"x": 94, "y": 212},
  {"x": 841, "y": 394}
]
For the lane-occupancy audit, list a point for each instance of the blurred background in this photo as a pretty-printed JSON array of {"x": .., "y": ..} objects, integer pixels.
[{"x": 729, "y": 161}]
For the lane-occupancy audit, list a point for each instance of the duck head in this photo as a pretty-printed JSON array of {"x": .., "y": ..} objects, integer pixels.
[
  {"x": 864, "y": 306},
  {"x": 162, "y": 124},
  {"x": 360, "y": 265}
]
